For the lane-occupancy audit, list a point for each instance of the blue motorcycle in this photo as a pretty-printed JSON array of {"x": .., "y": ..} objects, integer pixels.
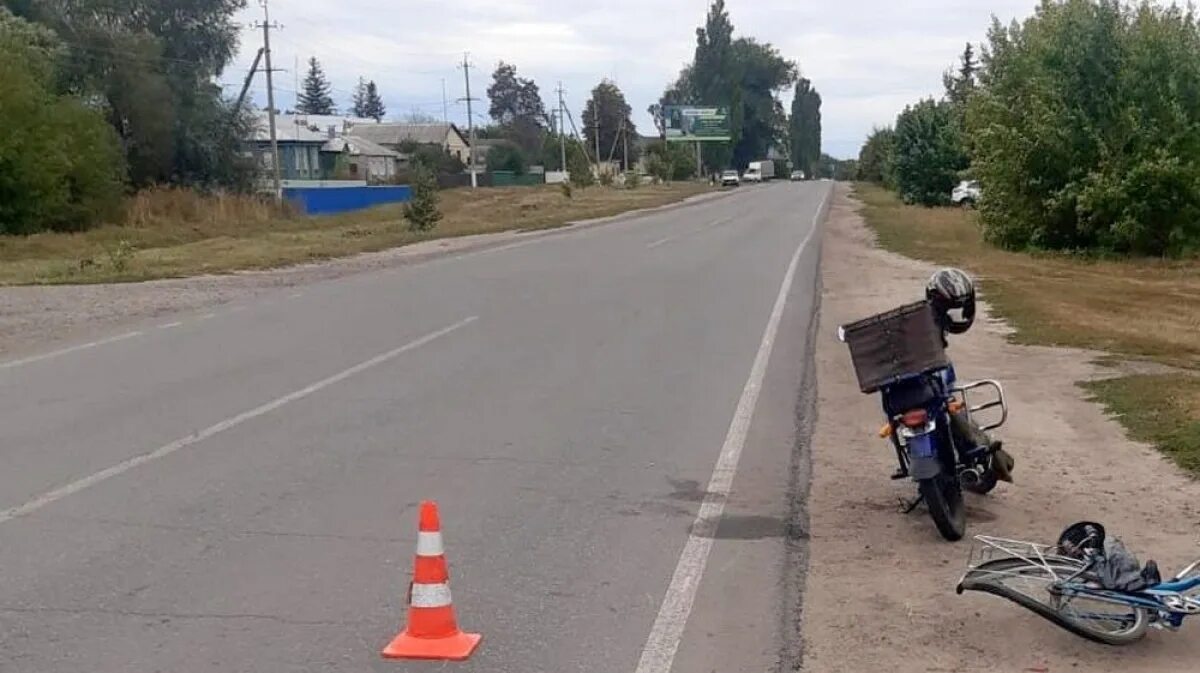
[{"x": 931, "y": 421}]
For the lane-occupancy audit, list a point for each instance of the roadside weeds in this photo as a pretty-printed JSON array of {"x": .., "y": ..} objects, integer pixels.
[
  {"x": 169, "y": 239},
  {"x": 1143, "y": 311}
]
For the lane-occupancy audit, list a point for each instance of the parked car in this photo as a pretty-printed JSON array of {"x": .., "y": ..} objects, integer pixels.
[
  {"x": 730, "y": 179},
  {"x": 797, "y": 176},
  {"x": 966, "y": 194}
]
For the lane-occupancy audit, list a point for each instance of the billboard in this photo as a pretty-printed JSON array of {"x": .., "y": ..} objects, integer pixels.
[{"x": 693, "y": 123}]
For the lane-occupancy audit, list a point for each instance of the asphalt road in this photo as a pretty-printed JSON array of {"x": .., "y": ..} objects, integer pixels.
[{"x": 612, "y": 419}]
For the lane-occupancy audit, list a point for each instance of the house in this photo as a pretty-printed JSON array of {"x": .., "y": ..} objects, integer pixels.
[
  {"x": 299, "y": 148},
  {"x": 394, "y": 134},
  {"x": 356, "y": 158}
]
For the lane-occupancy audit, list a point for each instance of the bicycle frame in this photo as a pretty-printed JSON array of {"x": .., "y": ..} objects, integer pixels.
[{"x": 1167, "y": 602}]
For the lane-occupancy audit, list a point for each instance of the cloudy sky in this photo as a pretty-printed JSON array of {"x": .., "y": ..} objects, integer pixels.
[{"x": 868, "y": 58}]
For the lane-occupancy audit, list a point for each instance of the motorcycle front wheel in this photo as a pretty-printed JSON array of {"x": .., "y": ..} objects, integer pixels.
[{"x": 944, "y": 498}]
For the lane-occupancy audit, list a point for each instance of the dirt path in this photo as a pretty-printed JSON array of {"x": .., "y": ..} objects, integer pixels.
[{"x": 880, "y": 588}]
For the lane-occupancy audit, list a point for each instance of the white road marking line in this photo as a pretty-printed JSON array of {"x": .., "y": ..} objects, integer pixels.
[
  {"x": 659, "y": 653},
  {"x": 237, "y": 309},
  {"x": 127, "y": 465},
  {"x": 72, "y": 349},
  {"x": 207, "y": 316},
  {"x": 170, "y": 325},
  {"x": 295, "y": 295},
  {"x": 661, "y": 241}
]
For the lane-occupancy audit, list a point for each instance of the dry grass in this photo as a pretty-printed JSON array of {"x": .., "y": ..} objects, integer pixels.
[
  {"x": 1146, "y": 309},
  {"x": 1133, "y": 309},
  {"x": 174, "y": 233}
]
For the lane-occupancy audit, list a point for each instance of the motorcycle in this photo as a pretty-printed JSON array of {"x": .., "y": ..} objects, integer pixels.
[{"x": 931, "y": 421}]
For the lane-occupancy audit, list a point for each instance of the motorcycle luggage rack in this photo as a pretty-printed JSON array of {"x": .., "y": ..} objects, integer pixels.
[{"x": 999, "y": 402}]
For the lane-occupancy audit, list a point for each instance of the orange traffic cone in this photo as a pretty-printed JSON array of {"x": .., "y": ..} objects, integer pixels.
[{"x": 432, "y": 631}]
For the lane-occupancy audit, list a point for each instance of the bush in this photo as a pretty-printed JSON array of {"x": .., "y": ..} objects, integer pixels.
[
  {"x": 580, "y": 168},
  {"x": 507, "y": 157},
  {"x": 432, "y": 157},
  {"x": 1086, "y": 129},
  {"x": 61, "y": 166},
  {"x": 875, "y": 160},
  {"x": 633, "y": 180},
  {"x": 928, "y": 154},
  {"x": 422, "y": 210}
]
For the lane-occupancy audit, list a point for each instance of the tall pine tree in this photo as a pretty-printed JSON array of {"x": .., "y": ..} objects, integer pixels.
[
  {"x": 360, "y": 107},
  {"x": 374, "y": 103},
  {"x": 317, "y": 96}
]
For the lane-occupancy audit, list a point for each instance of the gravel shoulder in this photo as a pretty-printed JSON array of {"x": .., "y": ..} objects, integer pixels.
[
  {"x": 880, "y": 584},
  {"x": 39, "y": 317}
]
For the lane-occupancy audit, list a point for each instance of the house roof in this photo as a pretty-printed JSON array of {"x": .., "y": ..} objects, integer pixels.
[
  {"x": 287, "y": 129},
  {"x": 357, "y": 147},
  {"x": 394, "y": 133},
  {"x": 292, "y": 127}
]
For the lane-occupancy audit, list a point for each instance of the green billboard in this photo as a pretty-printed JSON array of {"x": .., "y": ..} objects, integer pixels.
[{"x": 693, "y": 123}]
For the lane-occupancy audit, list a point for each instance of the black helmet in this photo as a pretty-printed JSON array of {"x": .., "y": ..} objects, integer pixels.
[
  {"x": 951, "y": 289},
  {"x": 1081, "y": 539}
]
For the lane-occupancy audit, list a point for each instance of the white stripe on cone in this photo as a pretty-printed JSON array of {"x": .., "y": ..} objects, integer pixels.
[
  {"x": 431, "y": 595},
  {"x": 429, "y": 544}
]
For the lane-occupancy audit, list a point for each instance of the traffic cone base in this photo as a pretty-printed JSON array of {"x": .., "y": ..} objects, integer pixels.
[{"x": 457, "y": 647}]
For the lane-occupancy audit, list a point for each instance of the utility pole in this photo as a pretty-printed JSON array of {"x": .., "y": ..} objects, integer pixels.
[
  {"x": 466, "y": 65},
  {"x": 625, "y": 139},
  {"x": 267, "y": 26},
  {"x": 562, "y": 128}
]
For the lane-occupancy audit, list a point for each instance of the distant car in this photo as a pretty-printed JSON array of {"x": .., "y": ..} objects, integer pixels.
[
  {"x": 966, "y": 194},
  {"x": 797, "y": 176},
  {"x": 730, "y": 179}
]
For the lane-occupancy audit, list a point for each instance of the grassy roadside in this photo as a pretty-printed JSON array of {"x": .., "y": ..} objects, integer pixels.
[
  {"x": 1134, "y": 309},
  {"x": 174, "y": 235}
]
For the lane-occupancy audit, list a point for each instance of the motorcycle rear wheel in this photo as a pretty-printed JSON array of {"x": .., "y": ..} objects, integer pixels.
[{"x": 944, "y": 498}]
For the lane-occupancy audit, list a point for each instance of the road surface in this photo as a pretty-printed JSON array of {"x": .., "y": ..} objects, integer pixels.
[{"x": 237, "y": 491}]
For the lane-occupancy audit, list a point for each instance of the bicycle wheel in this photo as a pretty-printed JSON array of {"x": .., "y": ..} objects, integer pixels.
[{"x": 1034, "y": 587}]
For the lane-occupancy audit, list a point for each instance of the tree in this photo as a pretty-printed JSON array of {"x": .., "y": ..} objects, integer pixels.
[
  {"x": 711, "y": 79},
  {"x": 960, "y": 85},
  {"x": 359, "y": 107},
  {"x": 507, "y": 157},
  {"x": 316, "y": 98},
  {"x": 743, "y": 75},
  {"x": 876, "y": 159},
  {"x": 374, "y": 106},
  {"x": 579, "y": 167},
  {"x": 60, "y": 163},
  {"x": 805, "y": 128},
  {"x": 149, "y": 67},
  {"x": 421, "y": 211},
  {"x": 928, "y": 153},
  {"x": 670, "y": 161},
  {"x": 432, "y": 157},
  {"x": 516, "y": 105},
  {"x": 614, "y": 123},
  {"x": 1085, "y": 129}
]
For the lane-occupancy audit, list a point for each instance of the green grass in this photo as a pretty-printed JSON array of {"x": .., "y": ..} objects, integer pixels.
[
  {"x": 1156, "y": 409},
  {"x": 1140, "y": 309}
]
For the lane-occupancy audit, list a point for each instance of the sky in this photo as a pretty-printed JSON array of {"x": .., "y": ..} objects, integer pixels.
[{"x": 868, "y": 58}]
